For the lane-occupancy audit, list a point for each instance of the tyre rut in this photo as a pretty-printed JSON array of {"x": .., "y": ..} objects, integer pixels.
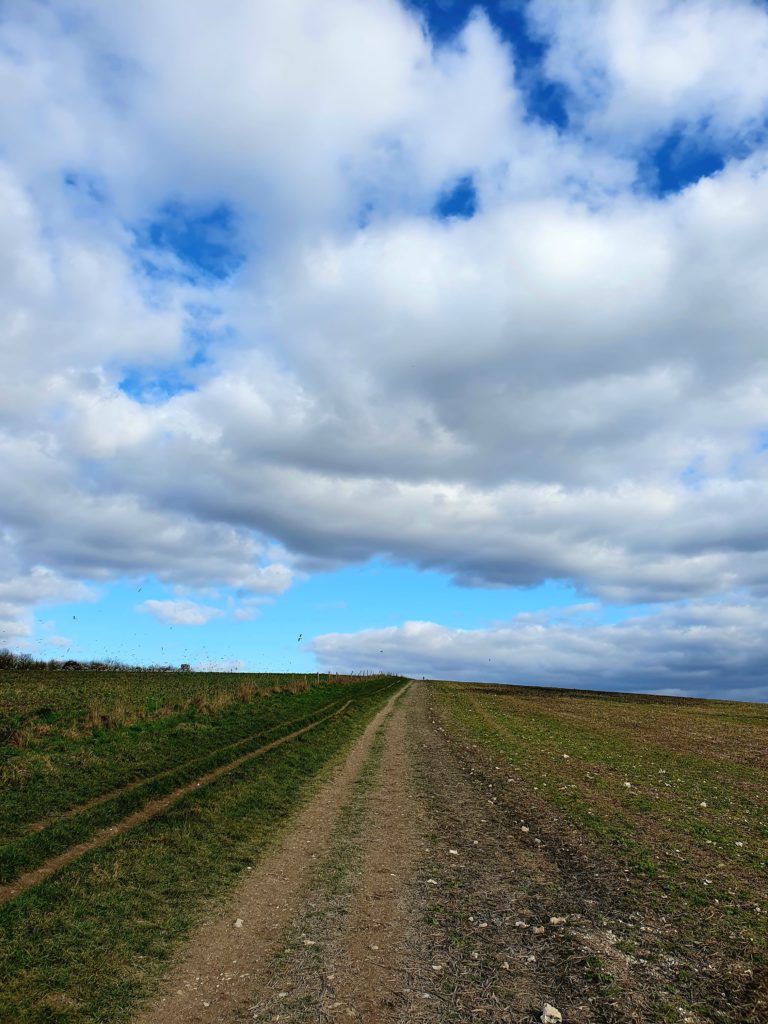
[
  {"x": 215, "y": 978},
  {"x": 368, "y": 965},
  {"x": 118, "y": 791},
  {"x": 150, "y": 810}
]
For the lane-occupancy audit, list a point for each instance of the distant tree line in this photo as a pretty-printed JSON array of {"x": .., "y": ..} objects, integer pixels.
[{"x": 25, "y": 662}]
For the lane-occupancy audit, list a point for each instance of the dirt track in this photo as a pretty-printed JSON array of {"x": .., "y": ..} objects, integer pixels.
[
  {"x": 406, "y": 890},
  {"x": 227, "y": 963}
]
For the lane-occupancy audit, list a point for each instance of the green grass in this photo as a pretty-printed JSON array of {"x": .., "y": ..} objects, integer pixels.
[
  {"x": 86, "y": 944},
  {"x": 31, "y": 848},
  {"x": 58, "y": 770},
  {"x": 41, "y": 699}
]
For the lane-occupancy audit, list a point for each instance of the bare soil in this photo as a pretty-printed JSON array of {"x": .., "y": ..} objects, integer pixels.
[
  {"x": 369, "y": 963},
  {"x": 423, "y": 884},
  {"x": 515, "y": 913},
  {"x": 228, "y": 960},
  {"x": 446, "y": 910}
]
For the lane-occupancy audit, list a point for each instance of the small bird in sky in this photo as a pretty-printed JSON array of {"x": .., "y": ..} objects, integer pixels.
[{"x": 300, "y": 636}]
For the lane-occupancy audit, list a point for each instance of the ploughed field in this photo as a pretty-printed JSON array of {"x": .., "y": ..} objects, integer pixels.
[
  {"x": 229, "y": 848},
  {"x": 649, "y": 816}
]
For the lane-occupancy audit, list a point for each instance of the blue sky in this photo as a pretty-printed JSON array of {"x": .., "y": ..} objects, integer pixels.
[
  {"x": 429, "y": 332},
  {"x": 372, "y": 595}
]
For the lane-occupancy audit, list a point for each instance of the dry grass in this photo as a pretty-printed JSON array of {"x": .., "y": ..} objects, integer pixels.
[
  {"x": 28, "y": 733},
  {"x": 105, "y": 715},
  {"x": 81, "y": 703}
]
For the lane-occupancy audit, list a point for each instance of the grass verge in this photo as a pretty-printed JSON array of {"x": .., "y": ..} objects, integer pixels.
[
  {"x": 80, "y": 824},
  {"x": 62, "y": 768},
  {"x": 88, "y": 943}
]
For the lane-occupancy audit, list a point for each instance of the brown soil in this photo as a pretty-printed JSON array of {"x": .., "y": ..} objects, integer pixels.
[
  {"x": 707, "y": 944},
  {"x": 716, "y": 730},
  {"x": 368, "y": 967},
  {"x": 498, "y": 890},
  {"x": 150, "y": 810},
  {"x": 446, "y": 916},
  {"x": 457, "y": 896},
  {"x": 225, "y": 964}
]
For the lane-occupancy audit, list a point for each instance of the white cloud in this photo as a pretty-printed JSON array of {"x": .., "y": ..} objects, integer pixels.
[
  {"x": 246, "y": 613},
  {"x": 638, "y": 68},
  {"x": 180, "y": 613},
  {"x": 570, "y": 385},
  {"x": 239, "y": 106},
  {"x": 21, "y": 591},
  {"x": 14, "y": 625},
  {"x": 57, "y": 641},
  {"x": 41, "y": 586},
  {"x": 701, "y": 649}
]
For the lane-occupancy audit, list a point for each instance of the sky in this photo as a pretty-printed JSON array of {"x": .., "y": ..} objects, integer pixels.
[{"x": 425, "y": 337}]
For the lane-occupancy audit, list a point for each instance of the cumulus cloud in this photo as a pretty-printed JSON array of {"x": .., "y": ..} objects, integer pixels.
[
  {"x": 58, "y": 641},
  {"x": 698, "y": 650},
  {"x": 638, "y": 68},
  {"x": 41, "y": 586},
  {"x": 180, "y": 613},
  {"x": 20, "y": 592},
  {"x": 571, "y": 384},
  {"x": 246, "y": 613},
  {"x": 14, "y": 625}
]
